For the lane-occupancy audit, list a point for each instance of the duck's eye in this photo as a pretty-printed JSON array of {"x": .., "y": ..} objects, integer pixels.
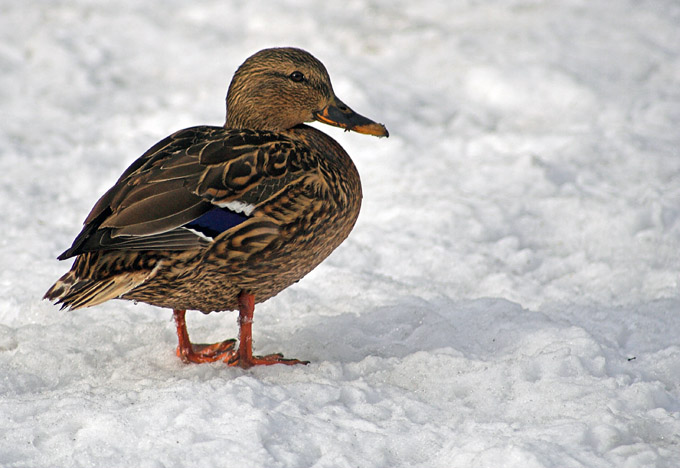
[{"x": 297, "y": 76}]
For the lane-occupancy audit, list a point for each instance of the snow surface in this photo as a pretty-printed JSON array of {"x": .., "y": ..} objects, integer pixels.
[{"x": 509, "y": 297}]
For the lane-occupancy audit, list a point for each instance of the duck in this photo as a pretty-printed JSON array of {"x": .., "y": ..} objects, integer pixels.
[{"x": 219, "y": 218}]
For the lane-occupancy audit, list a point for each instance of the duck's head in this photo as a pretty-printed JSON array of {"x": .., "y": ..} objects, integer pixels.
[{"x": 277, "y": 89}]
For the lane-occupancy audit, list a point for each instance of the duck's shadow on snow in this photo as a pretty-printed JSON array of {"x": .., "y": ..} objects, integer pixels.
[{"x": 480, "y": 327}]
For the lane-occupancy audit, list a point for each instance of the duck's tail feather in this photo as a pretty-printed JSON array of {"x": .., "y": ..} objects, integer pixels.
[
  {"x": 72, "y": 292},
  {"x": 61, "y": 287}
]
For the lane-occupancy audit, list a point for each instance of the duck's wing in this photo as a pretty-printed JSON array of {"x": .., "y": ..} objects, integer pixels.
[{"x": 191, "y": 187}]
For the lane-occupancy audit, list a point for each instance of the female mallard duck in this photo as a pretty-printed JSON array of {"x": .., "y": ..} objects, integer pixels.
[{"x": 219, "y": 218}]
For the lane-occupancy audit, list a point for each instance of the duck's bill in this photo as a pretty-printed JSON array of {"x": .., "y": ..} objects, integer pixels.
[{"x": 340, "y": 115}]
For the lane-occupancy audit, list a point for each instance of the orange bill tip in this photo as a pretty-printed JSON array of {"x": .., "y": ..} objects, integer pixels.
[{"x": 374, "y": 129}]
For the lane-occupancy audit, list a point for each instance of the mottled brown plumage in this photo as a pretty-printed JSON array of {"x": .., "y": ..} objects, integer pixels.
[{"x": 216, "y": 218}]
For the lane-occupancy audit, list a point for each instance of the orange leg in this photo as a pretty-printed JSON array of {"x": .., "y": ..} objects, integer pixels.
[
  {"x": 244, "y": 357},
  {"x": 199, "y": 353}
]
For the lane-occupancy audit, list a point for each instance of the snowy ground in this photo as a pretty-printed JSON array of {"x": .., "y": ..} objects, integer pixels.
[{"x": 509, "y": 297}]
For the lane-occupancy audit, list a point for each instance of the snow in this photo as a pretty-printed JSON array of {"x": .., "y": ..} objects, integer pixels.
[{"x": 509, "y": 296}]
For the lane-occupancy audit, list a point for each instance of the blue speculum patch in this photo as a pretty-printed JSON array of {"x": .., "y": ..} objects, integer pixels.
[{"x": 216, "y": 221}]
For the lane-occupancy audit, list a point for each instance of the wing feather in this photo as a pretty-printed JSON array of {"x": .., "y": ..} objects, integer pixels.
[{"x": 183, "y": 177}]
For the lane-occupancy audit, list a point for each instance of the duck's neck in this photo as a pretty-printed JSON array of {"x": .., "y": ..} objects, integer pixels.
[{"x": 246, "y": 117}]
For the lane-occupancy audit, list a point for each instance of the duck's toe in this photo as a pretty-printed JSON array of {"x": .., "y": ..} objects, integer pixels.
[
  {"x": 200, "y": 353},
  {"x": 246, "y": 362}
]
